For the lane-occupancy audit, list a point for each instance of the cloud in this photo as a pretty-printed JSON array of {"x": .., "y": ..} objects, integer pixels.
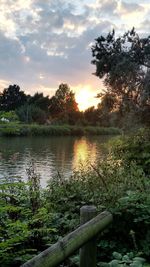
[
  {"x": 127, "y": 8},
  {"x": 3, "y": 84}
]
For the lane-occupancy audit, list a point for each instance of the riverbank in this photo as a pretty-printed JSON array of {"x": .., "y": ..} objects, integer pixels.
[{"x": 12, "y": 129}]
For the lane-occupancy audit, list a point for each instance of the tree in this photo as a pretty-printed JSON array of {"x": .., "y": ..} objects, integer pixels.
[
  {"x": 63, "y": 102},
  {"x": 90, "y": 116},
  {"x": 106, "y": 109},
  {"x": 41, "y": 101},
  {"x": 124, "y": 65},
  {"x": 11, "y": 98},
  {"x": 31, "y": 113}
]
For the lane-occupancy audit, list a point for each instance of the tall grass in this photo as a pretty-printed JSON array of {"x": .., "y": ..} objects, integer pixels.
[{"x": 14, "y": 129}]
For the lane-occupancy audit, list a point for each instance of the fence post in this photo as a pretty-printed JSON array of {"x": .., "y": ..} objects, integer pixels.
[{"x": 88, "y": 251}]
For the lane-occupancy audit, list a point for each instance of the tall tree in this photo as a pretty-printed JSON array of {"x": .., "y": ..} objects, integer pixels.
[
  {"x": 11, "y": 98},
  {"x": 63, "y": 102},
  {"x": 124, "y": 65}
]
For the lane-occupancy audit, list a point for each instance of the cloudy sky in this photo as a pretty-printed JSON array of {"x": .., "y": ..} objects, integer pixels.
[{"x": 46, "y": 42}]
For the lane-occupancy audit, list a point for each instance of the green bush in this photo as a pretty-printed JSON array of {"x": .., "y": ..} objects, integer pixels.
[
  {"x": 134, "y": 148},
  {"x": 11, "y": 116},
  {"x": 120, "y": 260},
  {"x": 31, "y": 113}
]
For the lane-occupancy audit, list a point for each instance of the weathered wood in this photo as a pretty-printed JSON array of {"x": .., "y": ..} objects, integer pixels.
[
  {"x": 61, "y": 250},
  {"x": 88, "y": 251}
]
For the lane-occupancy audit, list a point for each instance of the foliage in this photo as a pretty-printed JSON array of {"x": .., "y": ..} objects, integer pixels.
[
  {"x": 31, "y": 113},
  {"x": 13, "y": 129},
  {"x": 123, "y": 63},
  {"x": 40, "y": 101},
  {"x": 134, "y": 148},
  {"x": 126, "y": 260},
  {"x": 24, "y": 222},
  {"x": 12, "y": 98},
  {"x": 11, "y": 116},
  {"x": 105, "y": 187},
  {"x": 63, "y": 102}
]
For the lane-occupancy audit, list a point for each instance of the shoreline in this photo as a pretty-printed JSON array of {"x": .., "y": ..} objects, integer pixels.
[{"x": 12, "y": 129}]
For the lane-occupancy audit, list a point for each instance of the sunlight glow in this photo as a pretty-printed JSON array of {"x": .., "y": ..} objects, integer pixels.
[{"x": 85, "y": 98}]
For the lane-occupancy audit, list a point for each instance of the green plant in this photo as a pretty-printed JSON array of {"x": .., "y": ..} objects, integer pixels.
[
  {"x": 126, "y": 260},
  {"x": 134, "y": 148},
  {"x": 10, "y": 116}
]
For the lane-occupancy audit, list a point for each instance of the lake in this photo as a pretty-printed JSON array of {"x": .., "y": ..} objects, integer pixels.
[{"x": 49, "y": 155}]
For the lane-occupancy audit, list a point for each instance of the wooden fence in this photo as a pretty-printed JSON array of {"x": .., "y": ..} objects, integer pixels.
[{"x": 83, "y": 238}]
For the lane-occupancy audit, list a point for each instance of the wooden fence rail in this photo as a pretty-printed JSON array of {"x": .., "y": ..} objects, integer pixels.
[{"x": 83, "y": 235}]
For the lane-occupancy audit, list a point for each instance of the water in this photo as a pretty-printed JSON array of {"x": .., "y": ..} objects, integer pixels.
[{"x": 49, "y": 155}]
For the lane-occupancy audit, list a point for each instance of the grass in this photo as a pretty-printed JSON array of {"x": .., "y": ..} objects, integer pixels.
[{"x": 16, "y": 129}]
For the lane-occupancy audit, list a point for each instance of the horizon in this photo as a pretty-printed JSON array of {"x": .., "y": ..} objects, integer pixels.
[{"x": 45, "y": 44}]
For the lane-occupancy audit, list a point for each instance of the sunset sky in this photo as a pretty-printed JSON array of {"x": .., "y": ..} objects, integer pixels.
[{"x": 45, "y": 43}]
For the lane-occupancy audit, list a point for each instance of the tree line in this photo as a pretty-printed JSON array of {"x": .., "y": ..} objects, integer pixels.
[
  {"x": 59, "y": 109},
  {"x": 38, "y": 108}
]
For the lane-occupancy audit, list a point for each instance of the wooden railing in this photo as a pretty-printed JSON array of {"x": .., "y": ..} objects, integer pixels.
[{"x": 83, "y": 238}]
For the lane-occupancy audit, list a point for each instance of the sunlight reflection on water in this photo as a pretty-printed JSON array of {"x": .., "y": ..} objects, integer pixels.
[{"x": 84, "y": 152}]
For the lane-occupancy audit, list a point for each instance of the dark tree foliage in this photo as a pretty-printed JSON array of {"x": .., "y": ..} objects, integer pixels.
[
  {"x": 124, "y": 64},
  {"x": 90, "y": 115},
  {"x": 41, "y": 101},
  {"x": 63, "y": 102},
  {"x": 31, "y": 113},
  {"x": 107, "y": 103},
  {"x": 12, "y": 98}
]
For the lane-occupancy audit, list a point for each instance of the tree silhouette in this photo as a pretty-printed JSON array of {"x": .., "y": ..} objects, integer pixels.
[
  {"x": 63, "y": 102},
  {"x": 41, "y": 101},
  {"x": 124, "y": 64},
  {"x": 11, "y": 98}
]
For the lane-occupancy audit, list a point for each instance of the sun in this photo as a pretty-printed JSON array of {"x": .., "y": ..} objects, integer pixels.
[{"x": 84, "y": 98}]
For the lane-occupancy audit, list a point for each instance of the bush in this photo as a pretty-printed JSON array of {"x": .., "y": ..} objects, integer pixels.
[
  {"x": 9, "y": 116},
  {"x": 31, "y": 113},
  {"x": 124, "y": 260},
  {"x": 134, "y": 148}
]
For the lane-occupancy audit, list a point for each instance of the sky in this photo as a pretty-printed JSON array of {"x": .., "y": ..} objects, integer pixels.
[{"x": 47, "y": 42}]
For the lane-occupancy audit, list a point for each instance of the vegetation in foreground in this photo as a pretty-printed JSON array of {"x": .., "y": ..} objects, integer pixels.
[{"x": 31, "y": 218}]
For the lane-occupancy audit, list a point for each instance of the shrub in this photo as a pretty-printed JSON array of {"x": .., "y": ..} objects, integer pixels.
[
  {"x": 11, "y": 116},
  {"x": 124, "y": 260},
  {"x": 134, "y": 148},
  {"x": 31, "y": 113}
]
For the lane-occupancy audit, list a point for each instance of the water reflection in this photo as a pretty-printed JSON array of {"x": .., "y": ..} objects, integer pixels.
[
  {"x": 50, "y": 154},
  {"x": 84, "y": 152}
]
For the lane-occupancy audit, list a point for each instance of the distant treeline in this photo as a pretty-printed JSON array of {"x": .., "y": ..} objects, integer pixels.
[
  {"x": 62, "y": 108},
  {"x": 16, "y": 105}
]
